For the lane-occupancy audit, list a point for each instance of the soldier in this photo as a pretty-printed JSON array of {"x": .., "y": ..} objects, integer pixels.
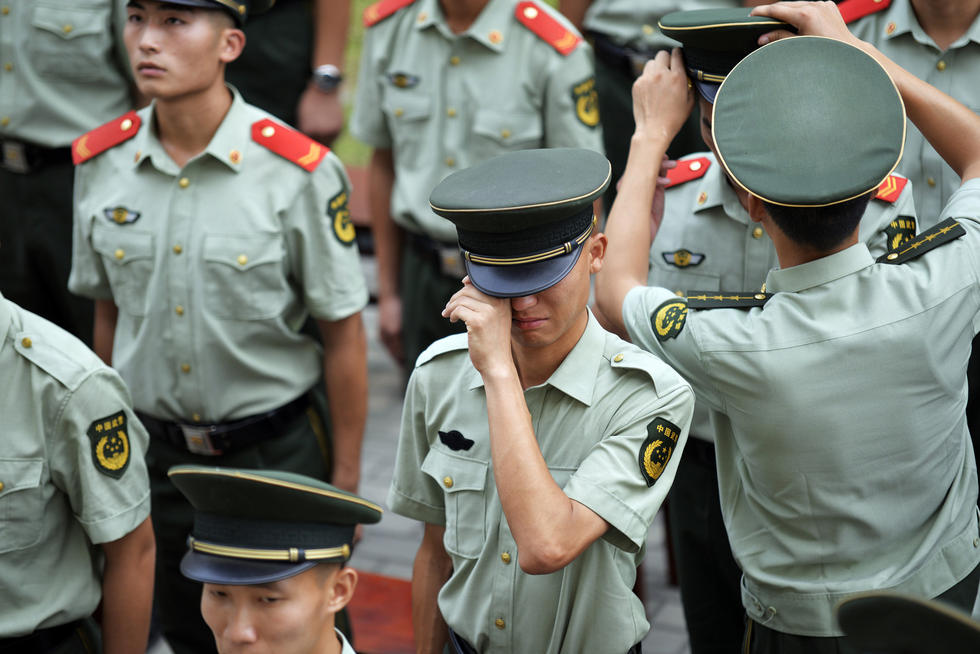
[
  {"x": 538, "y": 447},
  {"x": 843, "y": 456},
  {"x": 707, "y": 241},
  {"x": 208, "y": 233},
  {"x": 65, "y": 71},
  {"x": 74, "y": 497},
  {"x": 445, "y": 84},
  {"x": 271, "y": 549}
]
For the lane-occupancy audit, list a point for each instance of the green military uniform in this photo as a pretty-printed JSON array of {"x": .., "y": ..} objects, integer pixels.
[
  {"x": 214, "y": 270},
  {"x": 817, "y": 390},
  {"x": 442, "y": 102},
  {"x": 896, "y": 32},
  {"x": 64, "y": 71},
  {"x": 72, "y": 476}
]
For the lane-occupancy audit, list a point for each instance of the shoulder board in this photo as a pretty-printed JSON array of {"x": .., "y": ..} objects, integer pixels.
[
  {"x": 720, "y": 300},
  {"x": 851, "y": 10},
  {"x": 382, "y": 9},
  {"x": 289, "y": 144},
  {"x": 688, "y": 169},
  {"x": 627, "y": 355},
  {"x": 442, "y": 346},
  {"x": 538, "y": 20},
  {"x": 34, "y": 343},
  {"x": 944, "y": 232},
  {"x": 891, "y": 189},
  {"x": 107, "y": 136}
]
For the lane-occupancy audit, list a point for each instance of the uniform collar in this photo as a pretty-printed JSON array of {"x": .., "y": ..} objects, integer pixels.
[
  {"x": 6, "y": 314},
  {"x": 717, "y": 192},
  {"x": 822, "y": 271},
  {"x": 905, "y": 21},
  {"x": 231, "y": 137},
  {"x": 576, "y": 375},
  {"x": 491, "y": 27}
]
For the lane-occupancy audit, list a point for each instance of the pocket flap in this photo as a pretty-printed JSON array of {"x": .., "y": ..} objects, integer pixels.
[
  {"x": 404, "y": 106},
  {"x": 19, "y": 474},
  {"x": 455, "y": 473},
  {"x": 69, "y": 22},
  {"x": 123, "y": 244},
  {"x": 507, "y": 126},
  {"x": 243, "y": 252}
]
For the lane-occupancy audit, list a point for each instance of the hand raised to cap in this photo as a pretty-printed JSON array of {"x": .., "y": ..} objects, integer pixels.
[{"x": 810, "y": 18}]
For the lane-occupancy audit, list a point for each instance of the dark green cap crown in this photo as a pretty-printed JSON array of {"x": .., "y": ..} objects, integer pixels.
[
  {"x": 240, "y": 10},
  {"x": 885, "y": 622}
]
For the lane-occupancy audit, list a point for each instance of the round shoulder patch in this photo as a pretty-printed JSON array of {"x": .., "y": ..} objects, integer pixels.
[
  {"x": 110, "y": 444},
  {"x": 668, "y": 319},
  {"x": 586, "y": 101},
  {"x": 655, "y": 452},
  {"x": 339, "y": 215}
]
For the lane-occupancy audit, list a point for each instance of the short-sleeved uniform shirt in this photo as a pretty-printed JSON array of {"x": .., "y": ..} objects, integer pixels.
[
  {"x": 708, "y": 242},
  {"x": 607, "y": 411},
  {"x": 443, "y": 102},
  {"x": 897, "y": 33},
  {"x": 844, "y": 459},
  {"x": 64, "y": 68},
  {"x": 71, "y": 472},
  {"x": 214, "y": 267},
  {"x": 634, "y": 22}
]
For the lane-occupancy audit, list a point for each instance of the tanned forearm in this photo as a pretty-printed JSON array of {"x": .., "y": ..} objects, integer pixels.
[
  {"x": 104, "y": 330},
  {"x": 331, "y": 19},
  {"x": 574, "y": 11},
  {"x": 431, "y": 570},
  {"x": 127, "y": 591},
  {"x": 387, "y": 250}
]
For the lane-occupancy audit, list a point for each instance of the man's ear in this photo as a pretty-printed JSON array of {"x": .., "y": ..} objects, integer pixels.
[
  {"x": 232, "y": 44},
  {"x": 757, "y": 209},
  {"x": 341, "y": 590},
  {"x": 597, "y": 249}
]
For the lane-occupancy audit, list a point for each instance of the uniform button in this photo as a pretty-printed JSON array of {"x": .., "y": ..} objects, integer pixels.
[
  {"x": 422, "y": 16},
  {"x": 892, "y": 256},
  {"x": 268, "y": 131},
  {"x": 178, "y": 249},
  {"x": 505, "y": 557},
  {"x": 1, "y": 483},
  {"x": 126, "y": 124},
  {"x": 451, "y": 112},
  {"x": 505, "y": 133},
  {"x": 5, "y": 11},
  {"x": 760, "y": 296},
  {"x": 120, "y": 253},
  {"x": 757, "y": 232},
  {"x": 399, "y": 112},
  {"x": 702, "y": 198},
  {"x": 499, "y": 623},
  {"x": 931, "y": 181},
  {"x": 179, "y": 309},
  {"x": 890, "y": 28},
  {"x": 5, "y": 121},
  {"x": 8, "y": 67},
  {"x": 695, "y": 165},
  {"x": 26, "y": 342},
  {"x": 976, "y": 542},
  {"x": 450, "y": 162},
  {"x": 454, "y": 60},
  {"x": 941, "y": 65},
  {"x": 67, "y": 28},
  {"x": 531, "y": 13},
  {"x": 235, "y": 156},
  {"x": 648, "y": 29},
  {"x": 242, "y": 259},
  {"x": 618, "y": 358},
  {"x": 185, "y": 367},
  {"x": 447, "y": 482},
  {"x": 184, "y": 182},
  {"x": 196, "y": 417},
  {"x": 136, "y": 157}
]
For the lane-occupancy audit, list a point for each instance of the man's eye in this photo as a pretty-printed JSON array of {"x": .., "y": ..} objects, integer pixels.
[
  {"x": 218, "y": 594},
  {"x": 269, "y": 600}
]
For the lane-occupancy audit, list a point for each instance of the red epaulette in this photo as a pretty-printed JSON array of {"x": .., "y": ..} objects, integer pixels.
[
  {"x": 107, "y": 136},
  {"x": 890, "y": 189},
  {"x": 688, "y": 169},
  {"x": 851, "y": 10},
  {"x": 546, "y": 26},
  {"x": 289, "y": 144},
  {"x": 382, "y": 9}
]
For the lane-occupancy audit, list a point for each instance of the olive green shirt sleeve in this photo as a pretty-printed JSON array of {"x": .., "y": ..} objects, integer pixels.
[
  {"x": 88, "y": 276},
  {"x": 368, "y": 122}
]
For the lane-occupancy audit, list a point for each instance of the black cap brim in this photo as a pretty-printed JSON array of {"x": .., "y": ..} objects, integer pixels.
[
  {"x": 210, "y": 569},
  {"x": 708, "y": 90},
  {"x": 525, "y": 279}
]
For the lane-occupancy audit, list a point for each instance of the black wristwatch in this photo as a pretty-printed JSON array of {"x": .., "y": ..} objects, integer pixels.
[{"x": 327, "y": 77}]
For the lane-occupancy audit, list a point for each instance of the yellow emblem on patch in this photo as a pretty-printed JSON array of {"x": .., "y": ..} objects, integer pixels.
[
  {"x": 656, "y": 450},
  {"x": 668, "y": 320},
  {"x": 683, "y": 258},
  {"x": 121, "y": 215},
  {"x": 899, "y": 231},
  {"x": 110, "y": 445},
  {"x": 339, "y": 214},
  {"x": 586, "y": 101}
]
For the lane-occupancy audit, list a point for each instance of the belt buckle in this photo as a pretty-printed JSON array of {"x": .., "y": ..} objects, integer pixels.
[
  {"x": 15, "y": 157},
  {"x": 451, "y": 262},
  {"x": 198, "y": 440}
]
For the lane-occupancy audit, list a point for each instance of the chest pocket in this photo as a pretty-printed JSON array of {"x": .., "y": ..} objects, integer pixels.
[
  {"x": 497, "y": 131},
  {"x": 127, "y": 256},
  {"x": 244, "y": 276},
  {"x": 407, "y": 114},
  {"x": 464, "y": 483},
  {"x": 21, "y": 503},
  {"x": 71, "y": 40},
  {"x": 679, "y": 278}
]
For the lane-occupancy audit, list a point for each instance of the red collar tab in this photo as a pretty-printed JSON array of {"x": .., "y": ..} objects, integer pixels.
[
  {"x": 289, "y": 144},
  {"x": 851, "y": 10},
  {"x": 688, "y": 169},
  {"x": 535, "y": 18}
]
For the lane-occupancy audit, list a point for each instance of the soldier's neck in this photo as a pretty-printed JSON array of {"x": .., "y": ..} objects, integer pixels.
[
  {"x": 461, "y": 14},
  {"x": 186, "y": 124},
  {"x": 945, "y": 21}
]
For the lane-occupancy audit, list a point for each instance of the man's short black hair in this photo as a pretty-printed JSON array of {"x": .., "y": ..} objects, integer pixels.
[{"x": 821, "y": 228}]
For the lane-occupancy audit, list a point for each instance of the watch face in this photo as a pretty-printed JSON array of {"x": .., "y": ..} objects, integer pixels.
[{"x": 327, "y": 77}]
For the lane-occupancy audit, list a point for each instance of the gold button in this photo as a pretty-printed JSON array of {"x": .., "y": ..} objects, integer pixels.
[
  {"x": 679, "y": 293},
  {"x": 5, "y": 121},
  {"x": 531, "y": 13},
  {"x": 185, "y": 367},
  {"x": 695, "y": 165},
  {"x": 268, "y": 131},
  {"x": 136, "y": 157},
  {"x": 496, "y": 37},
  {"x": 757, "y": 232},
  {"x": 184, "y": 182},
  {"x": 8, "y": 67},
  {"x": 499, "y": 622},
  {"x": 505, "y": 557},
  {"x": 242, "y": 259},
  {"x": 892, "y": 256},
  {"x": 422, "y": 16},
  {"x": 454, "y": 61},
  {"x": 618, "y": 358},
  {"x": 126, "y": 124},
  {"x": 178, "y": 249},
  {"x": 505, "y": 133},
  {"x": 1, "y": 483},
  {"x": 648, "y": 29},
  {"x": 931, "y": 181},
  {"x": 447, "y": 482},
  {"x": 450, "y": 162},
  {"x": 67, "y": 28},
  {"x": 26, "y": 342},
  {"x": 5, "y": 11},
  {"x": 179, "y": 309},
  {"x": 399, "y": 112},
  {"x": 702, "y": 198},
  {"x": 890, "y": 28},
  {"x": 235, "y": 156},
  {"x": 941, "y": 65},
  {"x": 120, "y": 253},
  {"x": 760, "y": 296},
  {"x": 451, "y": 112},
  {"x": 976, "y": 541},
  {"x": 196, "y": 417}
]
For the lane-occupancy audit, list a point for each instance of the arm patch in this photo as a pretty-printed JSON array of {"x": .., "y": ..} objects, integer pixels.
[
  {"x": 668, "y": 319},
  {"x": 655, "y": 451},
  {"x": 110, "y": 444}
]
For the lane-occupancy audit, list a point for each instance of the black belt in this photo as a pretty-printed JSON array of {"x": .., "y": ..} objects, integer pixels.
[
  {"x": 214, "y": 440},
  {"x": 445, "y": 257},
  {"x": 22, "y": 157},
  {"x": 41, "y": 641},
  {"x": 460, "y": 646},
  {"x": 620, "y": 57}
]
